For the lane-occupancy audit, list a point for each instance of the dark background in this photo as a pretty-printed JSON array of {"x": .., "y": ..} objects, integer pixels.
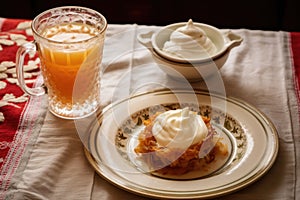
[{"x": 252, "y": 14}]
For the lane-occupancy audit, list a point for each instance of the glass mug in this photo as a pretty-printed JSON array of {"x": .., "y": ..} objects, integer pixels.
[{"x": 69, "y": 41}]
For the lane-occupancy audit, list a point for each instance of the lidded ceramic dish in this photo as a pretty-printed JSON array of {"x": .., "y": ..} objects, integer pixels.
[{"x": 193, "y": 68}]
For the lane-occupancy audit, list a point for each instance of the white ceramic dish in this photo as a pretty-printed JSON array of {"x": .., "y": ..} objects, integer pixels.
[
  {"x": 192, "y": 69},
  {"x": 251, "y": 138}
]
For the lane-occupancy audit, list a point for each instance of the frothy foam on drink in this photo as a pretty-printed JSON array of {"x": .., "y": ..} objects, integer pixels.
[{"x": 69, "y": 33}]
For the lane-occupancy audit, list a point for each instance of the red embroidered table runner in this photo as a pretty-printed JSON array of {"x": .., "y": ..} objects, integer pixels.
[
  {"x": 18, "y": 115},
  {"x": 295, "y": 46}
]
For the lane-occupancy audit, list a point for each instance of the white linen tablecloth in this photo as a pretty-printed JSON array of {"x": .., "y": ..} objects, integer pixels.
[{"x": 259, "y": 71}]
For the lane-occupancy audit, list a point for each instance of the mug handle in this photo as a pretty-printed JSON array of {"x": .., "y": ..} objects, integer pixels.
[{"x": 20, "y": 57}]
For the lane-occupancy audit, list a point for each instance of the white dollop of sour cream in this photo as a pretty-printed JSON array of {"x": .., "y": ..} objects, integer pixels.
[
  {"x": 189, "y": 42},
  {"x": 179, "y": 129}
]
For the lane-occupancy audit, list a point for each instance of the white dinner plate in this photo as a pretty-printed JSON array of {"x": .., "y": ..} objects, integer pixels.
[{"x": 251, "y": 138}]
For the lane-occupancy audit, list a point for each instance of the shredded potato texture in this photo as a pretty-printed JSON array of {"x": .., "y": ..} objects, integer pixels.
[{"x": 164, "y": 160}]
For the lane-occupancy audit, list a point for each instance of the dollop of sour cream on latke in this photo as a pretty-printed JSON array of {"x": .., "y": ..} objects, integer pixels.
[{"x": 179, "y": 129}]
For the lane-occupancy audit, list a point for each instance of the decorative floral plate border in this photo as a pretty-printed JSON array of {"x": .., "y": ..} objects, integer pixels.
[{"x": 135, "y": 121}]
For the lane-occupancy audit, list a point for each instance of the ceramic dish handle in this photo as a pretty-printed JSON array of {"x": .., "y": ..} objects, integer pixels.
[
  {"x": 232, "y": 40},
  {"x": 145, "y": 39}
]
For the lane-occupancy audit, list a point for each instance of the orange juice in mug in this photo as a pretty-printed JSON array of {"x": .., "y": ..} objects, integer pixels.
[{"x": 70, "y": 44}]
